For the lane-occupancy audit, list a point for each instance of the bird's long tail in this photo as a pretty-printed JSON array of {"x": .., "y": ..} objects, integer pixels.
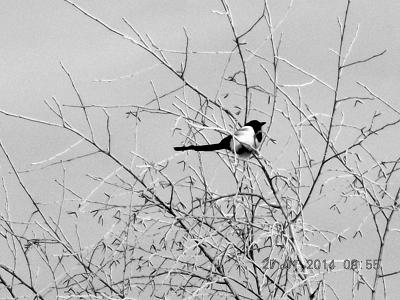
[{"x": 211, "y": 147}]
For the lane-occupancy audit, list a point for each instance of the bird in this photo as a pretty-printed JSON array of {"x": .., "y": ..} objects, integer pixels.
[{"x": 244, "y": 141}]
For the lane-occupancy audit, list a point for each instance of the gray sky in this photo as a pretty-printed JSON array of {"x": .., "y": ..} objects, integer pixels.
[{"x": 37, "y": 35}]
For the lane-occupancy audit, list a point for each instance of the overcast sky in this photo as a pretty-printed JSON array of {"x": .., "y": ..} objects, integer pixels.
[{"x": 37, "y": 35}]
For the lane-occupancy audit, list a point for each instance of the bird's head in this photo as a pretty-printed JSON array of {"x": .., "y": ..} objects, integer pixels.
[{"x": 257, "y": 125}]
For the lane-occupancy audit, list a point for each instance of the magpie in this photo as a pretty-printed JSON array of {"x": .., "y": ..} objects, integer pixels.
[{"x": 243, "y": 142}]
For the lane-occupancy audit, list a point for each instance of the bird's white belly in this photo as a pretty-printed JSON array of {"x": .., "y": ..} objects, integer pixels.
[{"x": 243, "y": 141}]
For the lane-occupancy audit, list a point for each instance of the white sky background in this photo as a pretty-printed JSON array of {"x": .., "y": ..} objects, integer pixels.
[{"x": 36, "y": 35}]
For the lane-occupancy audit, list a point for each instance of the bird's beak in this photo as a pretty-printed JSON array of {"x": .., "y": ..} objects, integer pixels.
[{"x": 262, "y": 123}]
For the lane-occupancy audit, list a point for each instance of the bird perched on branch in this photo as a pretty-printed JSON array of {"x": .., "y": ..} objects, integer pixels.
[{"x": 243, "y": 142}]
